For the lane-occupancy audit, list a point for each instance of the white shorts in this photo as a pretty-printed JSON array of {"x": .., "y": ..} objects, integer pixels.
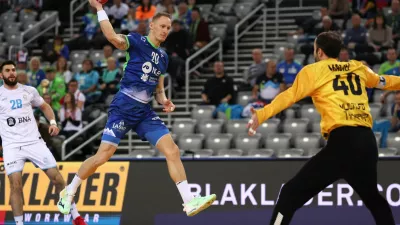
[{"x": 37, "y": 153}]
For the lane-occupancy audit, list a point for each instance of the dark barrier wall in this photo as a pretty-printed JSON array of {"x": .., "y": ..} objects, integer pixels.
[
  {"x": 141, "y": 193},
  {"x": 247, "y": 191}
]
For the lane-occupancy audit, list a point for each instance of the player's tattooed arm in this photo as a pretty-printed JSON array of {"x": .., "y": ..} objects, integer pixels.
[
  {"x": 122, "y": 42},
  {"x": 118, "y": 40}
]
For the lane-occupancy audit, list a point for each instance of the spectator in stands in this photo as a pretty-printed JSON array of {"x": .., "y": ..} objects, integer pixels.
[
  {"x": 35, "y": 74},
  {"x": 366, "y": 8},
  {"x": 380, "y": 35},
  {"x": 54, "y": 86},
  {"x": 145, "y": 11},
  {"x": 356, "y": 37},
  {"x": 62, "y": 69},
  {"x": 269, "y": 85},
  {"x": 172, "y": 10},
  {"x": 191, "y": 4},
  {"x": 218, "y": 89},
  {"x": 308, "y": 26},
  {"x": 339, "y": 9},
  {"x": 52, "y": 51},
  {"x": 162, "y": 6},
  {"x": 117, "y": 12},
  {"x": 178, "y": 43},
  {"x": 390, "y": 67},
  {"x": 109, "y": 82},
  {"x": 22, "y": 58},
  {"x": 88, "y": 80},
  {"x": 395, "y": 111},
  {"x": 129, "y": 23},
  {"x": 392, "y": 125},
  {"x": 178, "y": 46},
  {"x": 184, "y": 14},
  {"x": 70, "y": 116},
  {"x": 393, "y": 20},
  {"x": 22, "y": 77},
  {"x": 344, "y": 55},
  {"x": 78, "y": 95},
  {"x": 256, "y": 69},
  {"x": 392, "y": 63},
  {"x": 199, "y": 29},
  {"x": 289, "y": 67},
  {"x": 142, "y": 28},
  {"x": 327, "y": 25},
  {"x": 107, "y": 52},
  {"x": 28, "y": 5}
]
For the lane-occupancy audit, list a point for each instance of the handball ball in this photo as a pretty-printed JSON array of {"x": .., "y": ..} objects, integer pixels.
[{"x": 102, "y": 1}]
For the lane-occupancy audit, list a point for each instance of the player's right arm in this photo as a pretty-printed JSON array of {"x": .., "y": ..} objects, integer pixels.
[
  {"x": 384, "y": 82},
  {"x": 120, "y": 41}
]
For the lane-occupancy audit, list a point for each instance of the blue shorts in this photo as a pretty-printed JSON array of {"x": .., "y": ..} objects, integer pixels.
[{"x": 127, "y": 114}]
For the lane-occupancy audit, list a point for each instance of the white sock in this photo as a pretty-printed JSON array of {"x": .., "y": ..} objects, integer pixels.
[
  {"x": 19, "y": 220},
  {"x": 74, "y": 211},
  {"x": 184, "y": 190},
  {"x": 73, "y": 186}
]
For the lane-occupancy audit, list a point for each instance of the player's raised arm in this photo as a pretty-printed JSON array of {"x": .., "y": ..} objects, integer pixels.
[
  {"x": 302, "y": 87},
  {"x": 385, "y": 82},
  {"x": 118, "y": 40}
]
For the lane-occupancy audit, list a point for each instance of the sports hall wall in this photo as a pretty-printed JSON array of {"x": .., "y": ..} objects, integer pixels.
[{"x": 141, "y": 192}]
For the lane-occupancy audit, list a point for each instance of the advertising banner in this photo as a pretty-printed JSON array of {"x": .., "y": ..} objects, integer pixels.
[
  {"x": 99, "y": 200},
  {"x": 247, "y": 191}
]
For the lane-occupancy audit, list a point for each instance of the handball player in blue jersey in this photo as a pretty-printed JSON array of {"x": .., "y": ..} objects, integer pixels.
[{"x": 130, "y": 109}]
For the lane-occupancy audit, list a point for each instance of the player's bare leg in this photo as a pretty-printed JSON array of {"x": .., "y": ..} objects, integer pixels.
[
  {"x": 172, "y": 154},
  {"x": 56, "y": 178},
  {"x": 192, "y": 205},
  {"x": 16, "y": 197},
  {"x": 87, "y": 168},
  {"x": 90, "y": 165}
]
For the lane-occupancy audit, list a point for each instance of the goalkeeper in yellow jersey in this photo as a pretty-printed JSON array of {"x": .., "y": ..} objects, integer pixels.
[{"x": 338, "y": 92}]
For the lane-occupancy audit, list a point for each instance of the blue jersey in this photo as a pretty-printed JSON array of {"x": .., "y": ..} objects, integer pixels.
[
  {"x": 145, "y": 63},
  {"x": 289, "y": 71}
]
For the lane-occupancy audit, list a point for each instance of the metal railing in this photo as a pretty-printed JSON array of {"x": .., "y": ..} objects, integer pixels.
[
  {"x": 209, "y": 57},
  {"x": 245, "y": 19},
  {"x": 53, "y": 17},
  {"x": 64, "y": 154},
  {"x": 72, "y": 12}
]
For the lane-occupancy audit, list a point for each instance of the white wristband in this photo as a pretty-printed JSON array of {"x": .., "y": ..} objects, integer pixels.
[
  {"x": 102, "y": 15},
  {"x": 53, "y": 122}
]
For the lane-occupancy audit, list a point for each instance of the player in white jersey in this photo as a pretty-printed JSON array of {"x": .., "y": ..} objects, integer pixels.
[{"x": 22, "y": 140}]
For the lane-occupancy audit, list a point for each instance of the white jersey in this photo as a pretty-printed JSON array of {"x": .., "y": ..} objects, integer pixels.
[{"x": 17, "y": 122}]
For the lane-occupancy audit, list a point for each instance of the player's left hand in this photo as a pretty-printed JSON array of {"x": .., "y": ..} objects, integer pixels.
[
  {"x": 53, "y": 130},
  {"x": 253, "y": 123},
  {"x": 168, "y": 106}
]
